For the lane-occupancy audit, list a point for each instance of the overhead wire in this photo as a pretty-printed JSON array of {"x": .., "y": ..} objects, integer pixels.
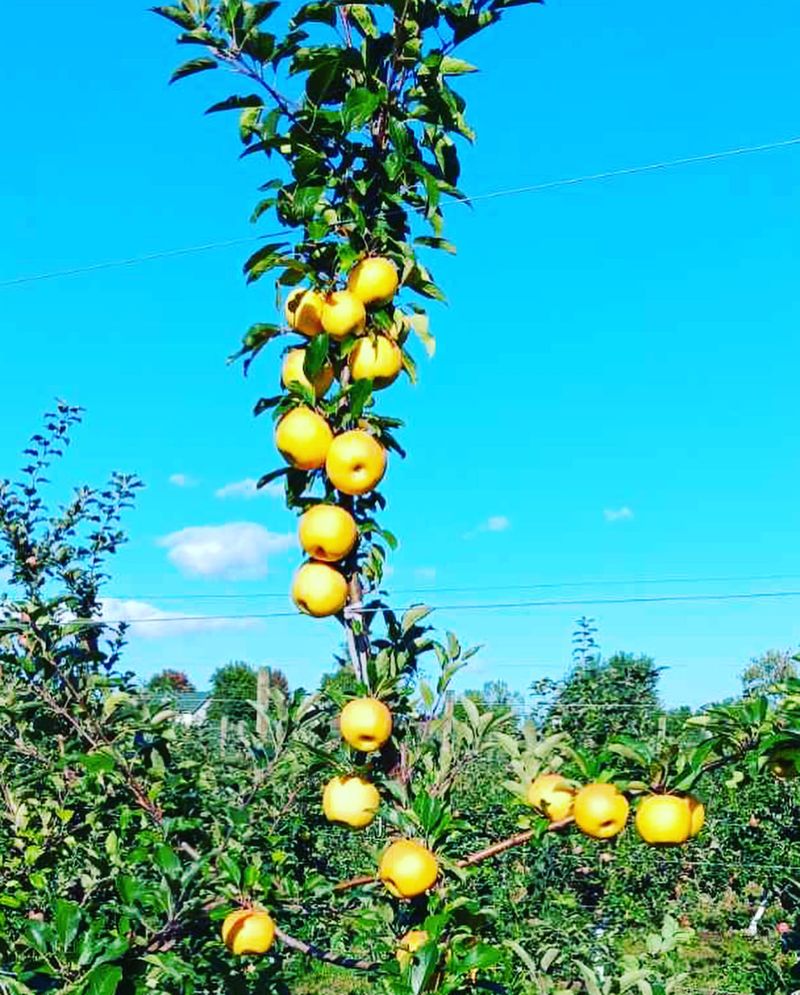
[
  {"x": 556, "y": 585},
  {"x": 455, "y": 607},
  {"x": 489, "y": 195}
]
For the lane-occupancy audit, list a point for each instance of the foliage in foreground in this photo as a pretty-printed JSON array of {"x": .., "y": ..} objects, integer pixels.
[{"x": 124, "y": 837}]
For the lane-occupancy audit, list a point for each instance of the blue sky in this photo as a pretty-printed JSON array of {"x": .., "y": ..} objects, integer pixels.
[{"x": 626, "y": 344}]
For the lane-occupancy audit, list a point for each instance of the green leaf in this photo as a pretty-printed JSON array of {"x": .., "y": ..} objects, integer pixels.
[
  {"x": 363, "y": 20},
  {"x": 98, "y": 762},
  {"x": 257, "y": 13},
  {"x": 103, "y": 980},
  {"x": 67, "y": 919},
  {"x": 272, "y": 475},
  {"x": 236, "y": 103},
  {"x": 413, "y": 616},
  {"x": 176, "y": 15},
  {"x": 455, "y": 67},
  {"x": 168, "y": 860},
  {"x": 436, "y": 243},
  {"x": 38, "y": 935},
  {"x": 263, "y": 259},
  {"x": 258, "y": 334},
  {"x": 358, "y": 396},
  {"x": 192, "y": 67},
  {"x": 359, "y": 106},
  {"x": 304, "y": 201},
  {"x": 476, "y": 959},
  {"x": 316, "y": 355},
  {"x": 524, "y": 956},
  {"x": 420, "y": 326},
  {"x": 248, "y": 124},
  {"x": 265, "y": 403},
  {"x": 320, "y": 13},
  {"x": 394, "y": 164},
  {"x": 262, "y": 207}
]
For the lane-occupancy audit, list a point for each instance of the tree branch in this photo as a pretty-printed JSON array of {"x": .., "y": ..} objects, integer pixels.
[
  {"x": 473, "y": 858},
  {"x": 311, "y": 951}
]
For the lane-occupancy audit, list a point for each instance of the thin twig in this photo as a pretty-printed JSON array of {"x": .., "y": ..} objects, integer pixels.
[{"x": 311, "y": 951}]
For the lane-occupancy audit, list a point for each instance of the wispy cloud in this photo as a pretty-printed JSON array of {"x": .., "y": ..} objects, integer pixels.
[
  {"x": 425, "y": 573},
  {"x": 149, "y": 622},
  {"x": 182, "y": 480},
  {"x": 248, "y": 489},
  {"x": 494, "y": 523},
  {"x": 235, "y": 551},
  {"x": 617, "y": 514}
]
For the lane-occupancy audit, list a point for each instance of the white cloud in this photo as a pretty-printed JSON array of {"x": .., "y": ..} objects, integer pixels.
[
  {"x": 248, "y": 489},
  {"x": 497, "y": 523},
  {"x": 494, "y": 523},
  {"x": 235, "y": 551},
  {"x": 150, "y": 622},
  {"x": 617, "y": 514},
  {"x": 182, "y": 480},
  {"x": 425, "y": 573}
]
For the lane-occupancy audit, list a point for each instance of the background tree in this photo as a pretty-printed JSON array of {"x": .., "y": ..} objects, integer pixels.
[
  {"x": 600, "y": 699},
  {"x": 772, "y": 667},
  {"x": 234, "y": 689},
  {"x": 497, "y": 697},
  {"x": 169, "y": 681}
]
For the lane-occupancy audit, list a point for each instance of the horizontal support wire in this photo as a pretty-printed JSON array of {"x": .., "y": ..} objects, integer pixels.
[
  {"x": 490, "y": 195},
  {"x": 499, "y": 606}
]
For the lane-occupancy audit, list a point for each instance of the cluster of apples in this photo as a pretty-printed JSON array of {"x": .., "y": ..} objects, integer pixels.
[
  {"x": 601, "y": 810},
  {"x": 407, "y": 867},
  {"x": 353, "y": 461}
]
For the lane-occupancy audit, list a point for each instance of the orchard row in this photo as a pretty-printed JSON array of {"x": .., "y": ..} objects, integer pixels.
[{"x": 409, "y": 869}]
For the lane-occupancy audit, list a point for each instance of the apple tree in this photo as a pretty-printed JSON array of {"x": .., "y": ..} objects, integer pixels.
[{"x": 137, "y": 855}]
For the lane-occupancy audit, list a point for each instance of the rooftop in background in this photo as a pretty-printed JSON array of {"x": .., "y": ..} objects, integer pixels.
[{"x": 189, "y": 702}]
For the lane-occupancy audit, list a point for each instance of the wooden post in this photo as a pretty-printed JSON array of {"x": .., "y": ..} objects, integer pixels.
[{"x": 262, "y": 700}]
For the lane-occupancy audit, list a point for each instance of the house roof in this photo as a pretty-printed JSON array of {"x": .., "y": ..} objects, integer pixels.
[{"x": 190, "y": 702}]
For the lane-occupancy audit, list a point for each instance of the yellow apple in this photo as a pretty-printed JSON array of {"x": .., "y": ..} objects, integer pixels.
[
  {"x": 355, "y": 462},
  {"x": 408, "y": 869},
  {"x": 248, "y": 931},
  {"x": 374, "y": 281},
  {"x": 327, "y": 532},
  {"x": 292, "y": 372},
  {"x": 664, "y": 819},
  {"x": 303, "y": 311},
  {"x": 552, "y": 795},
  {"x": 343, "y": 314},
  {"x": 697, "y": 814},
  {"x": 600, "y": 810},
  {"x": 350, "y": 800},
  {"x": 303, "y": 438},
  {"x": 319, "y": 589},
  {"x": 365, "y": 724},
  {"x": 783, "y": 764},
  {"x": 409, "y": 944},
  {"x": 377, "y": 359}
]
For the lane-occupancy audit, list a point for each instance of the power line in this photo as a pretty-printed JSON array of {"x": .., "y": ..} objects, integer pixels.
[
  {"x": 491, "y": 195},
  {"x": 557, "y": 585},
  {"x": 649, "y": 167},
  {"x": 478, "y": 606},
  {"x": 135, "y": 260}
]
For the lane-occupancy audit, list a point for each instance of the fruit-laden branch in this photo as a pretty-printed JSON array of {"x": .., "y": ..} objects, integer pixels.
[
  {"x": 311, "y": 951},
  {"x": 472, "y": 858}
]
